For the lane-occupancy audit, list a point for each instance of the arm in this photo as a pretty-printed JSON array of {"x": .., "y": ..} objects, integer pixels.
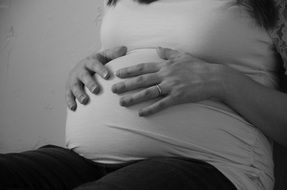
[{"x": 265, "y": 108}]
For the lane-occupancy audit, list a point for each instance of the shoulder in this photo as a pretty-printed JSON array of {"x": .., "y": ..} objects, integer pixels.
[{"x": 279, "y": 32}]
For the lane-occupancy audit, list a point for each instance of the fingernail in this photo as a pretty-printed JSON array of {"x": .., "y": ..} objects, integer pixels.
[
  {"x": 123, "y": 50},
  {"x": 95, "y": 90},
  {"x": 117, "y": 73},
  {"x": 142, "y": 113},
  {"x": 122, "y": 102},
  {"x": 84, "y": 99},
  {"x": 106, "y": 75},
  {"x": 114, "y": 89},
  {"x": 73, "y": 108}
]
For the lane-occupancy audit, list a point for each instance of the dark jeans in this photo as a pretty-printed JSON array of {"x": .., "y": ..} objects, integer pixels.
[{"x": 55, "y": 168}]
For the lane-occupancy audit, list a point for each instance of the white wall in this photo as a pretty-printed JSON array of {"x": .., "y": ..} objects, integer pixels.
[{"x": 40, "y": 41}]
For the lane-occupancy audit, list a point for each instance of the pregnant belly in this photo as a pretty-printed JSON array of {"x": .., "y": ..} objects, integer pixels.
[{"x": 106, "y": 132}]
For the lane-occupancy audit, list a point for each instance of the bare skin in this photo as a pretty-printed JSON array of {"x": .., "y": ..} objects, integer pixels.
[
  {"x": 183, "y": 78},
  {"x": 83, "y": 75}
]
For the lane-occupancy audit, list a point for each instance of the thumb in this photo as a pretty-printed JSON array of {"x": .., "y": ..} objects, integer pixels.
[
  {"x": 166, "y": 53},
  {"x": 113, "y": 53}
]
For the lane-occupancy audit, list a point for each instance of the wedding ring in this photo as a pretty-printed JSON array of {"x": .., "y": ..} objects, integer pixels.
[{"x": 159, "y": 90}]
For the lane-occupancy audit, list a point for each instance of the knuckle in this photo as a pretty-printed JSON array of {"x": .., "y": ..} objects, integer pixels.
[
  {"x": 75, "y": 86},
  {"x": 129, "y": 100},
  {"x": 166, "y": 71},
  {"x": 139, "y": 79},
  {"x": 125, "y": 101},
  {"x": 102, "y": 57},
  {"x": 88, "y": 62},
  {"x": 148, "y": 93},
  {"x": 94, "y": 65},
  {"x": 70, "y": 102},
  {"x": 77, "y": 73},
  {"x": 160, "y": 105},
  {"x": 149, "y": 111},
  {"x": 83, "y": 74},
  {"x": 102, "y": 70},
  {"x": 178, "y": 92},
  {"x": 123, "y": 72},
  {"x": 176, "y": 95},
  {"x": 119, "y": 72},
  {"x": 121, "y": 86},
  {"x": 139, "y": 68},
  {"x": 175, "y": 82},
  {"x": 82, "y": 64},
  {"x": 77, "y": 91},
  {"x": 127, "y": 72},
  {"x": 171, "y": 83},
  {"x": 69, "y": 99},
  {"x": 78, "y": 94},
  {"x": 152, "y": 110}
]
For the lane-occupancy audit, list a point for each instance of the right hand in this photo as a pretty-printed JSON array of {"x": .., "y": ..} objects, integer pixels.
[{"x": 83, "y": 75}]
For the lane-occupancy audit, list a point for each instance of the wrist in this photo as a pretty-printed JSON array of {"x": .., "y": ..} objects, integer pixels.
[
  {"x": 227, "y": 83},
  {"x": 233, "y": 85}
]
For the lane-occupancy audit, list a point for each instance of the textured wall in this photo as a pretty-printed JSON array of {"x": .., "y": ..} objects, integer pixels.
[{"x": 40, "y": 41}]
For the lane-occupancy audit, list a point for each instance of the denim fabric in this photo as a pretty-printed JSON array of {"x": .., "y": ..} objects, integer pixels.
[{"x": 56, "y": 168}]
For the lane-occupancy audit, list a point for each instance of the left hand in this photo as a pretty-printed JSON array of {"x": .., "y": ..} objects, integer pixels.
[{"x": 180, "y": 78}]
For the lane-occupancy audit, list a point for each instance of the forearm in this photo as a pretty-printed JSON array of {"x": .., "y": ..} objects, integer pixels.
[{"x": 264, "y": 107}]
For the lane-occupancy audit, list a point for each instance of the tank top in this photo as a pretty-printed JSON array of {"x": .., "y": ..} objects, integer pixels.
[{"x": 218, "y": 31}]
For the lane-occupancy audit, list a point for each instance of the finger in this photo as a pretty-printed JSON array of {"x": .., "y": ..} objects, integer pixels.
[
  {"x": 97, "y": 61},
  {"x": 136, "y": 83},
  {"x": 137, "y": 70},
  {"x": 96, "y": 66},
  {"x": 166, "y": 53},
  {"x": 156, "y": 107},
  {"x": 79, "y": 92},
  {"x": 70, "y": 100},
  {"x": 113, "y": 53},
  {"x": 90, "y": 82},
  {"x": 144, "y": 95}
]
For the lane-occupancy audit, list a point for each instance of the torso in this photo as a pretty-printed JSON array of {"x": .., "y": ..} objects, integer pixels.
[{"x": 106, "y": 132}]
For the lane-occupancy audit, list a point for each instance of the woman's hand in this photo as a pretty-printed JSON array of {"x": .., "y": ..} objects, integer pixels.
[
  {"x": 180, "y": 78},
  {"x": 82, "y": 75}
]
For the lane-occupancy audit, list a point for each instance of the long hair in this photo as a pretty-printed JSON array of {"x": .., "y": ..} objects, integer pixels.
[{"x": 264, "y": 11}]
